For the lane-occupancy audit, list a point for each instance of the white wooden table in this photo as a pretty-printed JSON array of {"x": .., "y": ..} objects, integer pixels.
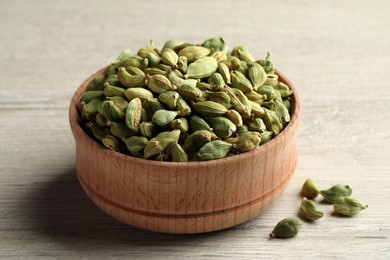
[{"x": 336, "y": 52}]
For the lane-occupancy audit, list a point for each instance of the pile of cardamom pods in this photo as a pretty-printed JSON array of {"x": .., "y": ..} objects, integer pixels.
[{"x": 186, "y": 102}]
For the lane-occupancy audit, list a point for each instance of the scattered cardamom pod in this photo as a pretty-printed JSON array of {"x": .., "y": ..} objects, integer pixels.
[
  {"x": 310, "y": 189},
  {"x": 336, "y": 191},
  {"x": 286, "y": 228},
  {"x": 348, "y": 206},
  {"x": 309, "y": 209}
]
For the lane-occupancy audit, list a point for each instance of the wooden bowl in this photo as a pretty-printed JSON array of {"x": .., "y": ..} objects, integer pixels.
[{"x": 193, "y": 197}]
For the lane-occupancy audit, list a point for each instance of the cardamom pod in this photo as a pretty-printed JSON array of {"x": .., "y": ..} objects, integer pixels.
[
  {"x": 169, "y": 57},
  {"x": 182, "y": 64},
  {"x": 178, "y": 153},
  {"x": 169, "y": 99},
  {"x": 336, "y": 191},
  {"x": 130, "y": 81},
  {"x": 266, "y": 63},
  {"x": 348, "y": 206},
  {"x": 267, "y": 91},
  {"x": 266, "y": 136},
  {"x": 183, "y": 108},
  {"x": 96, "y": 83},
  {"x": 286, "y": 228},
  {"x": 214, "y": 150},
  {"x": 120, "y": 130},
  {"x": 209, "y": 108},
  {"x": 181, "y": 124},
  {"x": 171, "y": 44},
  {"x": 159, "y": 84},
  {"x": 310, "y": 189},
  {"x": 147, "y": 129},
  {"x": 255, "y": 97},
  {"x": 272, "y": 80},
  {"x": 257, "y": 75},
  {"x": 233, "y": 63},
  {"x": 222, "y": 126},
  {"x": 198, "y": 123},
  {"x": 164, "y": 117},
  {"x": 196, "y": 140},
  {"x": 220, "y": 97},
  {"x": 113, "y": 80},
  {"x": 216, "y": 80},
  {"x": 215, "y": 43},
  {"x": 225, "y": 72},
  {"x": 283, "y": 89},
  {"x": 272, "y": 121},
  {"x": 98, "y": 132},
  {"x": 245, "y": 141},
  {"x": 153, "y": 58},
  {"x": 92, "y": 94},
  {"x": 257, "y": 124},
  {"x": 309, "y": 210},
  {"x": 202, "y": 68},
  {"x": 112, "y": 91},
  {"x": 111, "y": 142},
  {"x": 240, "y": 81},
  {"x": 133, "y": 114},
  {"x": 141, "y": 93},
  {"x": 239, "y": 101},
  {"x": 234, "y": 116},
  {"x": 135, "y": 144},
  {"x": 160, "y": 143},
  {"x": 194, "y": 52},
  {"x": 112, "y": 111}
]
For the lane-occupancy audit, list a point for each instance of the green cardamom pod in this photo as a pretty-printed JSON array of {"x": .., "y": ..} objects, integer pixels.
[
  {"x": 153, "y": 58},
  {"x": 189, "y": 92},
  {"x": 239, "y": 81},
  {"x": 272, "y": 121},
  {"x": 222, "y": 126},
  {"x": 257, "y": 75},
  {"x": 266, "y": 63},
  {"x": 92, "y": 94},
  {"x": 113, "y": 80},
  {"x": 336, "y": 191},
  {"x": 147, "y": 129},
  {"x": 219, "y": 97},
  {"x": 255, "y": 97},
  {"x": 239, "y": 101},
  {"x": 244, "y": 55},
  {"x": 159, "y": 84},
  {"x": 202, "y": 68},
  {"x": 164, "y": 117},
  {"x": 194, "y": 52},
  {"x": 96, "y": 83},
  {"x": 110, "y": 70},
  {"x": 182, "y": 64},
  {"x": 169, "y": 99},
  {"x": 245, "y": 141},
  {"x": 111, "y": 91},
  {"x": 348, "y": 206},
  {"x": 90, "y": 109},
  {"x": 267, "y": 91},
  {"x": 266, "y": 136},
  {"x": 112, "y": 111},
  {"x": 141, "y": 93},
  {"x": 272, "y": 80},
  {"x": 111, "y": 142},
  {"x": 196, "y": 140},
  {"x": 181, "y": 124},
  {"x": 233, "y": 63},
  {"x": 178, "y": 82},
  {"x": 124, "y": 55},
  {"x": 160, "y": 143},
  {"x": 225, "y": 72},
  {"x": 154, "y": 71},
  {"x": 130, "y": 81},
  {"x": 135, "y": 144},
  {"x": 281, "y": 112},
  {"x": 134, "y": 61},
  {"x": 120, "y": 130},
  {"x": 216, "y": 80},
  {"x": 242, "y": 128},
  {"x": 309, "y": 210},
  {"x": 310, "y": 189},
  {"x": 171, "y": 44},
  {"x": 133, "y": 114},
  {"x": 178, "y": 153},
  {"x": 283, "y": 89},
  {"x": 101, "y": 121},
  {"x": 214, "y": 150},
  {"x": 234, "y": 116},
  {"x": 183, "y": 108},
  {"x": 286, "y": 228},
  {"x": 257, "y": 124},
  {"x": 205, "y": 86},
  {"x": 209, "y": 108},
  {"x": 169, "y": 57},
  {"x": 198, "y": 123},
  {"x": 119, "y": 101},
  {"x": 215, "y": 43}
]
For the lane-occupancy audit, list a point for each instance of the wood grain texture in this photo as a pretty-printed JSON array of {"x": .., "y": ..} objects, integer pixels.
[
  {"x": 151, "y": 195},
  {"x": 336, "y": 53}
]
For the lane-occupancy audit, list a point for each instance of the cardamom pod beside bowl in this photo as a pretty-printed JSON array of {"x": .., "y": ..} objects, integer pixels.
[{"x": 190, "y": 197}]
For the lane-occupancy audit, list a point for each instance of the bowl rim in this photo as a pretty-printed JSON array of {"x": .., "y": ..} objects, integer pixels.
[{"x": 77, "y": 130}]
